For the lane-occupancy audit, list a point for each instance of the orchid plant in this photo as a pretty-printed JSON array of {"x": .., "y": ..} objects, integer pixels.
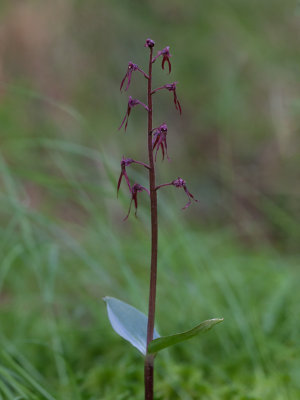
[{"x": 127, "y": 321}]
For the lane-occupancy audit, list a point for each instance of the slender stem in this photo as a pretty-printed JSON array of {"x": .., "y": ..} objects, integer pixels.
[
  {"x": 164, "y": 184},
  {"x": 148, "y": 376},
  {"x": 149, "y": 361},
  {"x": 157, "y": 89},
  {"x": 144, "y": 73},
  {"x": 141, "y": 163}
]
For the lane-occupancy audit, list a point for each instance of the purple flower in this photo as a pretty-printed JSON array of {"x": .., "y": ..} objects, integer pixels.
[
  {"x": 136, "y": 188},
  {"x": 149, "y": 43},
  {"x": 131, "y": 103},
  {"x": 166, "y": 57},
  {"x": 131, "y": 67},
  {"x": 179, "y": 182},
  {"x": 124, "y": 163},
  {"x": 171, "y": 87},
  {"x": 160, "y": 140}
]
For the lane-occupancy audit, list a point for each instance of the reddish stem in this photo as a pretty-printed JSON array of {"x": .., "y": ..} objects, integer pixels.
[
  {"x": 141, "y": 163},
  {"x": 149, "y": 360},
  {"x": 164, "y": 184},
  {"x": 148, "y": 376}
]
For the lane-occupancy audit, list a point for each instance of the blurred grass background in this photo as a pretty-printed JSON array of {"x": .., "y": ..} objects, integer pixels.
[{"x": 63, "y": 243}]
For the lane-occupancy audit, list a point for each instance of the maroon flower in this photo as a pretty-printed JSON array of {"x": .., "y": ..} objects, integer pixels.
[
  {"x": 171, "y": 87},
  {"x": 131, "y": 67},
  {"x": 160, "y": 140},
  {"x": 149, "y": 43},
  {"x": 131, "y": 103},
  {"x": 166, "y": 57},
  {"x": 124, "y": 163},
  {"x": 136, "y": 188},
  {"x": 179, "y": 182}
]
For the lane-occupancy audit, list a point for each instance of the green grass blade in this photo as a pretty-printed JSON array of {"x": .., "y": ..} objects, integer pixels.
[{"x": 27, "y": 377}]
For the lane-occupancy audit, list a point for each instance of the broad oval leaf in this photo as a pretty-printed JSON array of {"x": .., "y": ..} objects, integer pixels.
[
  {"x": 129, "y": 323},
  {"x": 167, "y": 341}
]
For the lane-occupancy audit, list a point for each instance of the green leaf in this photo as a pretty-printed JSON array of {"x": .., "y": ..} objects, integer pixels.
[
  {"x": 166, "y": 341},
  {"x": 129, "y": 323}
]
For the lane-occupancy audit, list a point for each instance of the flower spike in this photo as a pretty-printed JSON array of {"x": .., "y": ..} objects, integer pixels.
[
  {"x": 131, "y": 103},
  {"x": 166, "y": 57},
  {"x": 131, "y": 67},
  {"x": 136, "y": 188},
  {"x": 160, "y": 140},
  {"x": 122, "y": 316}
]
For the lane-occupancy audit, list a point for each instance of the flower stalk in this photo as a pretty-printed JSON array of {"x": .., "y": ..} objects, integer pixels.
[
  {"x": 149, "y": 361},
  {"x": 156, "y": 139}
]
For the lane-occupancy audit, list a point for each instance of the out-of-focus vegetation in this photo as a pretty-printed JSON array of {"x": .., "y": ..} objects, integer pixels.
[{"x": 63, "y": 243}]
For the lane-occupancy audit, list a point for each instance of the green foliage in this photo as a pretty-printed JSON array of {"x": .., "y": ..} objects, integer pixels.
[
  {"x": 129, "y": 323},
  {"x": 167, "y": 341},
  {"x": 53, "y": 273}
]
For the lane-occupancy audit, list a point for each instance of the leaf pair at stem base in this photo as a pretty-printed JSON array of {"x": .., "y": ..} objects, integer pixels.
[{"x": 131, "y": 325}]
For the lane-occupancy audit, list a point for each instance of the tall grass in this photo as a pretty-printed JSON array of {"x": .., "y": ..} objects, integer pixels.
[{"x": 56, "y": 266}]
